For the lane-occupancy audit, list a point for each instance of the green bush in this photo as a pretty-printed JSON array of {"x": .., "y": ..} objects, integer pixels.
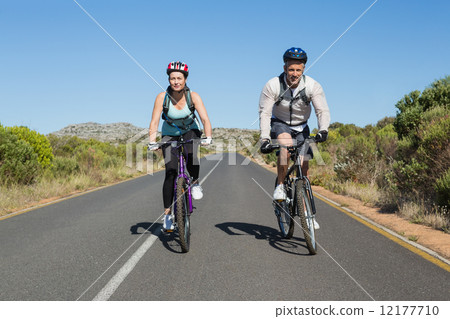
[
  {"x": 385, "y": 122},
  {"x": 63, "y": 166},
  {"x": 334, "y": 137},
  {"x": 89, "y": 158},
  {"x": 347, "y": 130},
  {"x": 424, "y": 157},
  {"x": 107, "y": 148},
  {"x": 438, "y": 94},
  {"x": 434, "y": 138},
  {"x": 386, "y": 140},
  {"x": 409, "y": 114},
  {"x": 18, "y": 161},
  {"x": 64, "y": 146},
  {"x": 412, "y": 107},
  {"x": 410, "y": 177},
  {"x": 40, "y": 144},
  {"x": 442, "y": 188},
  {"x": 326, "y": 157},
  {"x": 356, "y": 161},
  {"x": 423, "y": 152},
  {"x": 270, "y": 158},
  {"x": 91, "y": 154},
  {"x": 94, "y": 156},
  {"x": 111, "y": 161}
]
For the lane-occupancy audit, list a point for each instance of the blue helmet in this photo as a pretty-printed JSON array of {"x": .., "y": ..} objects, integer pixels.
[{"x": 295, "y": 54}]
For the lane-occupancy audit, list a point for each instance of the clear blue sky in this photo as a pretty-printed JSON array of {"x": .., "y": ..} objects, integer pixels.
[{"x": 57, "y": 67}]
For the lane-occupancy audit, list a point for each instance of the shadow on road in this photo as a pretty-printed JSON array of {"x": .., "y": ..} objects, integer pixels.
[
  {"x": 141, "y": 228},
  {"x": 169, "y": 240},
  {"x": 295, "y": 245}
]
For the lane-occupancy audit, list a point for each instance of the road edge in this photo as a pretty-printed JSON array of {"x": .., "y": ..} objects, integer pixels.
[
  {"x": 441, "y": 261},
  {"x": 425, "y": 252}
]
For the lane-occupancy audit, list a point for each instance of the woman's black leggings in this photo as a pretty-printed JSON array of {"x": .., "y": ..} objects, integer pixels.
[{"x": 171, "y": 163}]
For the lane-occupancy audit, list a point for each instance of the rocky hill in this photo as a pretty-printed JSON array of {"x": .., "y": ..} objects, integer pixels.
[
  {"x": 115, "y": 132},
  {"x": 123, "y": 132}
]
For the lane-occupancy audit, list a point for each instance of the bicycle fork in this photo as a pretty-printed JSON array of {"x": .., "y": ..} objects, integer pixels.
[{"x": 308, "y": 189}]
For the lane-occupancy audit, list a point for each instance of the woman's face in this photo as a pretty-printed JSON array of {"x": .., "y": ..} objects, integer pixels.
[{"x": 177, "y": 81}]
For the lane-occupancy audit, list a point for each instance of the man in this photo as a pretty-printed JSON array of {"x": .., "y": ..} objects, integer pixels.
[{"x": 284, "y": 110}]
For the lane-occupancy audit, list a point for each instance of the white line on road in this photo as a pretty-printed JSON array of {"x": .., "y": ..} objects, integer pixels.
[
  {"x": 120, "y": 276},
  {"x": 126, "y": 269},
  {"x": 326, "y": 252},
  {"x": 207, "y": 175}
]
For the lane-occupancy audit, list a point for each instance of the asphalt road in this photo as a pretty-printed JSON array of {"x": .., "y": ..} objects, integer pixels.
[{"x": 107, "y": 245}]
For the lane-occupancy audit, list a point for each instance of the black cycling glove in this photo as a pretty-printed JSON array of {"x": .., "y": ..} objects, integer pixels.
[
  {"x": 321, "y": 136},
  {"x": 265, "y": 147}
]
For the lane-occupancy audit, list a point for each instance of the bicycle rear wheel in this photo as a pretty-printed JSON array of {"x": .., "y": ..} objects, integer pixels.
[
  {"x": 182, "y": 215},
  {"x": 284, "y": 215},
  {"x": 305, "y": 214}
]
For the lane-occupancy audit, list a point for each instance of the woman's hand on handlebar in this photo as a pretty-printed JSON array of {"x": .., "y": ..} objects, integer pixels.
[
  {"x": 206, "y": 141},
  {"x": 153, "y": 146}
]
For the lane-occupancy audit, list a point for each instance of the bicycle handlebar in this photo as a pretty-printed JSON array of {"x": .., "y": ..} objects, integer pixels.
[
  {"x": 292, "y": 148},
  {"x": 175, "y": 143}
]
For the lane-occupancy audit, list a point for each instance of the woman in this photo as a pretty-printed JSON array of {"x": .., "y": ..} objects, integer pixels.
[{"x": 177, "y": 106}]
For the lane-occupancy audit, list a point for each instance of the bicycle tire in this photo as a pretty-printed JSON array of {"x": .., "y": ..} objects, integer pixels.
[
  {"x": 305, "y": 214},
  {"x": 182, "y": 215},
  {"x": 285, "y": 218}
]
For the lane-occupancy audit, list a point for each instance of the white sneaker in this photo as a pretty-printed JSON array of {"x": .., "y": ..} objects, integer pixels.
[
  {"x": 316, "y": 224},
  {"x": 168, "y": 223},
  {"x": 279, "y": 193},
  {"x": 197, "y": 192}
]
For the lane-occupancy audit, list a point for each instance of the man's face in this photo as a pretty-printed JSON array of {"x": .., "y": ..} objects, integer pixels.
[{"x": 294, "y": 71}]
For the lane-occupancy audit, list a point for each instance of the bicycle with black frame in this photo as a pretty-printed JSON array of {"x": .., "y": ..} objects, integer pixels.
[{"x": 299, "y": 202}]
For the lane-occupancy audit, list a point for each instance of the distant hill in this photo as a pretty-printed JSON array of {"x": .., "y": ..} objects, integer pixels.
[
  {"x": 122, "y": 132},
  {"x": 115, "y": 132}
]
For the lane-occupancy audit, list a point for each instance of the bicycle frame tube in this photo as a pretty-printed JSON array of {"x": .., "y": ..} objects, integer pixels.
[
  {"x": 182, "y": 173},
  {"x": 298, "y": 163},
  {"x": 298, "y": 166}
]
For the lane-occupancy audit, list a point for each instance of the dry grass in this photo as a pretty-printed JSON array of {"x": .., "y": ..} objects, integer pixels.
[
  {"x": 18, "y": 197},
  {"x": 409, "y": 210},
  {"x": 415, "y": 212},
  {"x": 368, "y": 194},
  {"x": 418, "y": 213}
]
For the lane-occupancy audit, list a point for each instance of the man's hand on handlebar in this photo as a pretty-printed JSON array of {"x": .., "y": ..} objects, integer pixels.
[
  {"x": 321, "y": 136},
  {"x": 265, "y": 146}
]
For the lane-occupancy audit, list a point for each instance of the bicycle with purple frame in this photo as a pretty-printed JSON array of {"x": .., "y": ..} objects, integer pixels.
[{"x": 182, "y": 207}]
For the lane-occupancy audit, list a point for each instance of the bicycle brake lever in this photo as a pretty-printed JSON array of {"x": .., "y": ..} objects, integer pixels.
[{"x": 290, "y": 148}]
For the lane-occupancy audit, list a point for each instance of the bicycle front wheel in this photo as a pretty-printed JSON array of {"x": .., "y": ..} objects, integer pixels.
[
  {"x": 182, "y": 215},
  {"x": 284, "y": 215},
  {"x": 305, "y": 214}
]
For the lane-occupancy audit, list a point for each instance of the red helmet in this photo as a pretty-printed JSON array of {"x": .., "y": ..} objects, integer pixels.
[{"x": 179, "y": 67}]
